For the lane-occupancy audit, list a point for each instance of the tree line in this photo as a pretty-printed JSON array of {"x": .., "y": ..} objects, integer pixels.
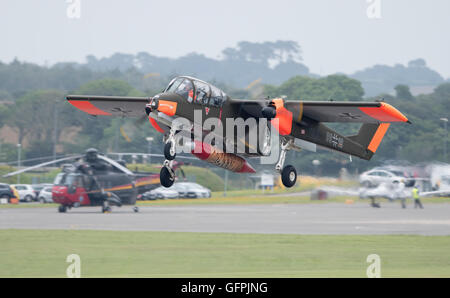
[{"x": 34, "y": 111}]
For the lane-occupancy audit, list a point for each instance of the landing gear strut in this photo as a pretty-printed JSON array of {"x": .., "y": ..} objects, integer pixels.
[
  {"x": 169, "y": 147},
  {"x": 106, "y": 208},
  {"x": 288, "y": 173}
]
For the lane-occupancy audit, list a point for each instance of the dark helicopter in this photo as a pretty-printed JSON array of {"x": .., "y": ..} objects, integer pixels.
[{"x": 96, "y": 180}]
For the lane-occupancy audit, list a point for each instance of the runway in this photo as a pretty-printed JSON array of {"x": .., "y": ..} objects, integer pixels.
[{"x": 322, "y": 218}]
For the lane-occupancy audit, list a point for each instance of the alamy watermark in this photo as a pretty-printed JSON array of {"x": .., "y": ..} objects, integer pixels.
[
  {"x": 73, "y": 10},
  {"x": 74, "y": 269},
  {"x": 258, "y": 136},
  {"x": 374, "y": 9},
  {"x": 374, "y": 269}
]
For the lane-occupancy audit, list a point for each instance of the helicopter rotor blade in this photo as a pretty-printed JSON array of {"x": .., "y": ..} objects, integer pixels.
[
  {"x": 116, "y": 164},
  {"x": 41, "y": 165}
]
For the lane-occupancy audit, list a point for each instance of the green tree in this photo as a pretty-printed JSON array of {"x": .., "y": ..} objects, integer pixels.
[
  {"x": 335, "y": 87},
  {"x": 34, "y": 114},
  {"x": 402, "y": 91}
]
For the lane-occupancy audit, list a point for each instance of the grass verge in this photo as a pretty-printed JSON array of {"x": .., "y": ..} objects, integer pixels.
[{"x": 42, "y": 253}]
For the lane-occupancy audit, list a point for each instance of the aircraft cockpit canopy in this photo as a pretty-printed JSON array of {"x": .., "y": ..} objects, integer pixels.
[{"x": 197, "y": 91}]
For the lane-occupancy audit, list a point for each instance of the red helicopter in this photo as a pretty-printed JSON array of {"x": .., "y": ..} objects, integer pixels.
[{"x": 96, "y": 180}]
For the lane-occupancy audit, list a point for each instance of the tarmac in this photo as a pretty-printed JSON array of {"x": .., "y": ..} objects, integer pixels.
[{"x": 315, "y": 218}]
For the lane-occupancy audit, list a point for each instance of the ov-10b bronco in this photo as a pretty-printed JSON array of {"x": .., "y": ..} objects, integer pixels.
[{"x": 200, "y": 114}]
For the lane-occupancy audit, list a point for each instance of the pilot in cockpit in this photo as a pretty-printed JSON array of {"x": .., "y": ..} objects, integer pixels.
[{"x": 187, "y": 91}]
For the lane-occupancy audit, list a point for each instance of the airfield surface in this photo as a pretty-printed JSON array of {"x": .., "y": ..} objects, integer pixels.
[{"x": 327, "y": 218}]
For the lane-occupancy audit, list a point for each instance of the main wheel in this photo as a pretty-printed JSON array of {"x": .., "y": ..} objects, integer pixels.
[
  {"x": 167, "y": 153},
  {"x": 166, "y": 178},
  {"x": 62, "y": 209},
  {"x": 288, "y": 176},
  {"x": 136, "y": 209}
]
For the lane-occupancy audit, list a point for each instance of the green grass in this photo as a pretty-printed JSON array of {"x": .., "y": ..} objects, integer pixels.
[{"x": 42, "y": 253}]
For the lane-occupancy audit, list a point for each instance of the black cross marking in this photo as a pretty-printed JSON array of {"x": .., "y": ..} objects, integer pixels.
[
  {"x": 349, "y": 115},
  {"x": 124, "y": 112}
]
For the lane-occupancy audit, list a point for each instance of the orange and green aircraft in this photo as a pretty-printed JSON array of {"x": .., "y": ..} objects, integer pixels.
[{"x": 287, "y": 124}]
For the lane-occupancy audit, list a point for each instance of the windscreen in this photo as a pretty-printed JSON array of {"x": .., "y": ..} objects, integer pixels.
[{"x": 59, "y": 179}]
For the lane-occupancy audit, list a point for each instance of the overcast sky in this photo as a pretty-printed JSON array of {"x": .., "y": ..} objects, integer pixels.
[{"x": 336, "y": 36}]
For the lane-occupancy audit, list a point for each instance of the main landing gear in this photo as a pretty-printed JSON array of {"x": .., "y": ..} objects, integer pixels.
[
  {"x": 288, "y": 173},
  {"x": 106, "y": 208}
]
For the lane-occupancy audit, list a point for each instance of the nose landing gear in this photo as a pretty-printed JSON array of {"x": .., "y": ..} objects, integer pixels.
[
  {"x": 288, "y": 173},
  {"x": 167, "y": 174},
  {"x": 169, "y": 147}
]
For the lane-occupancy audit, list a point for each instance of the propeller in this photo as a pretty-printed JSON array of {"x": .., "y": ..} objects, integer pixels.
[
  {"x": 152, "y": 106},
  {"x": 269, "y": 112}
]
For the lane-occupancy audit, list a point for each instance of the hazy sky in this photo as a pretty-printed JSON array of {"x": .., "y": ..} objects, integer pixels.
[{"x": 336, "y": 36}]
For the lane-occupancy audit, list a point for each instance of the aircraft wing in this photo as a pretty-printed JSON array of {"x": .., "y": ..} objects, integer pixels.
[
  {"x": 338, "y": 111},
  {"x": 110, "y": 105},
  {"x": 305, "y": 120},
  {"x": 437, "y": 193},
  {"x": 328, "y": 111}
]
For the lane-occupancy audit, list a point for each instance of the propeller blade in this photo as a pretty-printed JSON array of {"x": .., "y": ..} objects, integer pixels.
[{"x": 41, "y": 165}]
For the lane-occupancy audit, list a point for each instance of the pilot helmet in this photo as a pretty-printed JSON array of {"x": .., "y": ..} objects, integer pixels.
[{"x": 91, "y": 154}]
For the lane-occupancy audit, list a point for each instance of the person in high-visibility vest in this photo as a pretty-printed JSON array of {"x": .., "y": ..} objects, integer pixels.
[{"x": 416, "y": 197}]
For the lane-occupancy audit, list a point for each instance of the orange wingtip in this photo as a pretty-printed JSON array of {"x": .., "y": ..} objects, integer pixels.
[
  {"x": 385, "y": 113},
  {"x": 88, "y": 107}
]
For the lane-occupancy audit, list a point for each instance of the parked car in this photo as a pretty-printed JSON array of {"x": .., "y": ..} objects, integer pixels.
[
  {"x": 378, "y": 176},
  {"x": 45, "y": 195},
  {"x": 26, "y": 192},
  {"x": 191, "y": 190},
  {"x": 38, "y": 187},
  {"x": 7, "y": 192},
  {"x": 160, "y": 193}
]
